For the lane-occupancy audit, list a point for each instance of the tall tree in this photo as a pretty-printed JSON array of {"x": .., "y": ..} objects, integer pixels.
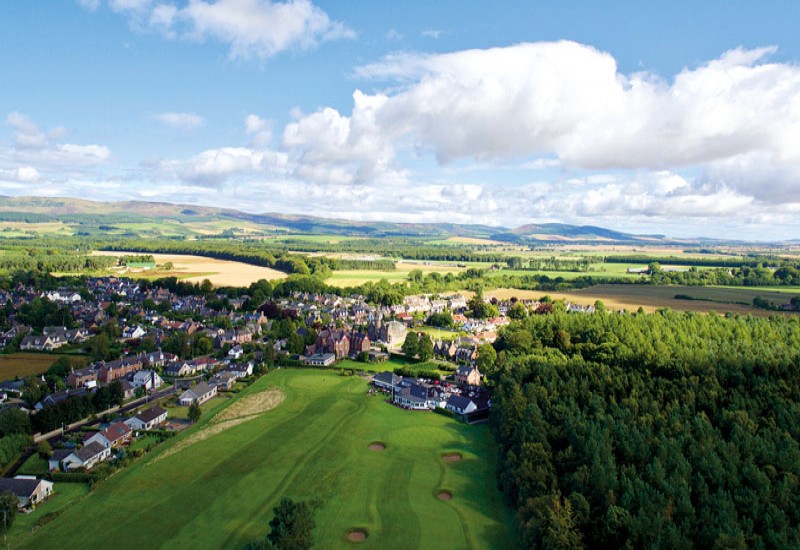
[{"x": 292, "y": 527}]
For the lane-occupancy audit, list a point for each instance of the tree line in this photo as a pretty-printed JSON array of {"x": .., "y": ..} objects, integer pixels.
[{"x": 665, "y": 430}]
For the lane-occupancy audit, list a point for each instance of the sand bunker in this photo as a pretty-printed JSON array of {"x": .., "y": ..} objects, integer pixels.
[
  {"x": 239, "y": 412},
  {"x": 445, "y": 495},
  {"x": 357, "y": 535},
  {"x": 451, "y": 457},
  {"x": 377, "y": 446}
]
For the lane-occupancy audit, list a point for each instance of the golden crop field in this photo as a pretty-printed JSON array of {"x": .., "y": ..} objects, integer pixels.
[{"x": 219, "y": 272}]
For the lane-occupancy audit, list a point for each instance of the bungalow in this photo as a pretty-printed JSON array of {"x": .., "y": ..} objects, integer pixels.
[
  {"x": 224, "y": 380},
  {"x": 147, "y": 419},
  {"x": 320, "y": 359},
  {"x": 147, "y": 379},
  {"x": 199, "y": 394},
  {"x": 54, "y": 462},
  {"x": 113, "y": 436},
  {"x": 461, "y": 405},
  {"x": 29, "y": 490},
  {"x": 86, "y": 457}
]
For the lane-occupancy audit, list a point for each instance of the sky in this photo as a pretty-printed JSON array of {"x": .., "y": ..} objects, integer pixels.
[{"x": 675, "y": 118}]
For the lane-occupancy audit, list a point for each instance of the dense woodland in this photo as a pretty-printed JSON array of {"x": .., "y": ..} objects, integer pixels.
[{"x": 669, "y": 430}]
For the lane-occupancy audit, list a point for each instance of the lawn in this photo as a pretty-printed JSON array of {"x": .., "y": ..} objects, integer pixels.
[
  {"x": 27, "y": 364},
  {"x": 219, "y": 492},
  {"x": 64, "y": 495}
]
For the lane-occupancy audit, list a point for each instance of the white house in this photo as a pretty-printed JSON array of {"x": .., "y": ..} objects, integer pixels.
[
  {"x": 148, "y": 419},
  {"x": 86, "y": 457},
  {"x": 148, "y": 379},
  {"x": 199, "y": 394},
  {"x": 29, "y": 490}
]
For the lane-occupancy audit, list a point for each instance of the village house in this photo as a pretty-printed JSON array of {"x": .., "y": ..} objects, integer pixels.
[
  {"x": 199, "y": 394},
  {"x": 460, "y": 405},
  {"x": 114, "y": 435},
  {"x": 148, "y": 379},
  {"x": 119, "y": 368},
  {"x": 147, "y": 419},
  {"x": 178, "y": 370},
  {"x": 224, "y": 380},
  {"x": 241, "y": 370},
  {"x": 41, "y": 343},
  {"x": 86, "y": 457},
  {"x": 469, "y": 375},
  {"x": 28, "y": 490},
  {"x": 82, "y": 377}
]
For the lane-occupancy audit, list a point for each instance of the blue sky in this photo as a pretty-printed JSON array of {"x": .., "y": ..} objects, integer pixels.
[{"x": 678, "y": 118}]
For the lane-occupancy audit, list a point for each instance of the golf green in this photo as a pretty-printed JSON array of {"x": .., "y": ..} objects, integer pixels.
[{"x": 218, "y": 492}]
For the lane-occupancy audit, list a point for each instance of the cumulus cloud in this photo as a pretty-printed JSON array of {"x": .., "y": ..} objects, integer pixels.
[
  {"x": 250, "y": 28},
  {"x": 568, "y": 103},
  {"x": 36, "y": 150},
  {"x": 216, "y": 166},
  {"x": 259, "y": 130},
  {"x": 180, "y": 121}
]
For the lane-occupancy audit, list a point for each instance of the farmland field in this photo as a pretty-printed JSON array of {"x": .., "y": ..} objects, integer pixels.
[
  {"x": 220, "y": 491},
  {"x": 219, "y": 272},
  {"x": 28, "y": 364},
  {"x": 652, "y": 297},
  {"x": 355, "y": 277}
]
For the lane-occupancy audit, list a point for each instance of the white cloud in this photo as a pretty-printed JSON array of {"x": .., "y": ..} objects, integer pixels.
[
  {"x": 90, "y": 5},
  {"x": 180, "y": 121},
  {"x": 35, "y": 149},
  {"x": 21, "y": 174},
  {"x": 563, "y": 102},
  {"x": 394, "y": 35},
  {"x": 129, "y": 5},
  {"x": 217, "y": 166},
  {"x": 250, "y": 28},
  {"x": 433, "y": 33},
  {"x": 259, "y": 129}
]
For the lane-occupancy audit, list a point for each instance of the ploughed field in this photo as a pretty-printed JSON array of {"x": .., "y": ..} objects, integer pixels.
[{"x": 388, "y": 478}]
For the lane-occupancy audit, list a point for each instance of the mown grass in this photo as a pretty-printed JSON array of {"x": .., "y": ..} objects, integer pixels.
[
  {"x": 65, "y": 495},
  {"x": 219, "y": 492}
]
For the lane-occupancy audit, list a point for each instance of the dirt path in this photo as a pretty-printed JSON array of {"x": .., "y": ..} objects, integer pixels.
[{"x": 239, "y": 412}]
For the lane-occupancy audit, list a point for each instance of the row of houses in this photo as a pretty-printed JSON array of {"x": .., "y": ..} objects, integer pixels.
[{"x": 99, "y": 446}]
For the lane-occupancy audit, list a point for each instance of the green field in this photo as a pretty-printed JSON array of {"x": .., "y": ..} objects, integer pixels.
[
  {"x": 28, "y": 364},
  {"x": 219, "y": 492}
]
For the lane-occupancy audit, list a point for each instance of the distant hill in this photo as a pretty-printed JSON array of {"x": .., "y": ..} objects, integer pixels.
[{"x": 140, "y": 218}]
